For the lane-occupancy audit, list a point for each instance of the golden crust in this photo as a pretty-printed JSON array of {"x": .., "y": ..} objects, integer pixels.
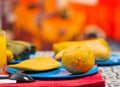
[{"x": 78, "y": 59}]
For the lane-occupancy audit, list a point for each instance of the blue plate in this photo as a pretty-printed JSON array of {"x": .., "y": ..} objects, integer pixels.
[
  {"x": 59, "y": 73},
  {"x": 114, "y": 60}
]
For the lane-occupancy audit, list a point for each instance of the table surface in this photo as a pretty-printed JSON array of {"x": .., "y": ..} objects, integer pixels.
[{"x": 111, "y": 74}]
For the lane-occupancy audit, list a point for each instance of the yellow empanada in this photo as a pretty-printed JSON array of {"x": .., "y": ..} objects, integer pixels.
[{"x": 39, "y": 63}]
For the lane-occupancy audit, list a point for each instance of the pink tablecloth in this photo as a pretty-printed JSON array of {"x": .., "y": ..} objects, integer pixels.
[{"x": 93, "y": 80}]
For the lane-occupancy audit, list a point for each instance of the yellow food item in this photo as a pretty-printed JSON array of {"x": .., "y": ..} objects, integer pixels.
[
  {"x": 60, "y": 46},
  {"x": 57, "y": 47},
  {"x": 39, "y": 63},
  {"x": 3, "y": 60},
  {"x": 10, "y": 56},
  {"x": 99, "y": 46},
  {"x": 101, "y": 52},
  {"x": 78, "y": 59},
  {"x": 58, "y": 56}
]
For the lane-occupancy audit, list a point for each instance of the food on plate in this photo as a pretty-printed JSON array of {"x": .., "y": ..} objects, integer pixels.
[
  {"x": 78, "y": 59},
  {"x": 58, "y": 56},
  {"x": 10, "y": 56},
  {"x": 99, "y": 46},
  {"x": 38, "y": 63},
  {"x": 20, "y": 49}
]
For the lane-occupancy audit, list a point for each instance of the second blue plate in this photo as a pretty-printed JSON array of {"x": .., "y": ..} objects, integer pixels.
[{"x": 114, "y": 60}]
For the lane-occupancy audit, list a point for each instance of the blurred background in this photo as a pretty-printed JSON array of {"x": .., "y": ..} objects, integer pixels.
[{"x": 45, "y": 22}]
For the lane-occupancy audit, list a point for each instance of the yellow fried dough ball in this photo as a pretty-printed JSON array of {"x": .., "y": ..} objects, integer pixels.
[{"x": 78, "y": 59}]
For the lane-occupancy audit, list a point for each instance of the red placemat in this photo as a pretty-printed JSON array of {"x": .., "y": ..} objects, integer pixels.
[{"x": 93, "y": 80}]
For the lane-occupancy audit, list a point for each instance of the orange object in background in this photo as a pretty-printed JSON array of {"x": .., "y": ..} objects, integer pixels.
[
  {"x": 105, "y": 14},
  {"x": 97, "y": 14},
  {"x": 57, "y": 29},
  {"x": 116, "y": 17},
  {"x": 25, "y": 25},
  {"x": 49, "y": 6},
  {"x": 41, "y": 20},
  {"x": 52, "y": 29}
]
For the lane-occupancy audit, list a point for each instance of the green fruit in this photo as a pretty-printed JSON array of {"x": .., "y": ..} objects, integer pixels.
[{"x": 21, "y": 50}]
